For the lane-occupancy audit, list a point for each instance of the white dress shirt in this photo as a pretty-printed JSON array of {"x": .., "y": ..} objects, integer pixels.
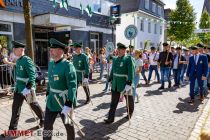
[{"x": 151, "y": 58}]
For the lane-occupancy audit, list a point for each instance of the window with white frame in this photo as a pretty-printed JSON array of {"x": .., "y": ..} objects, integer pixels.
[
  {"x": 161, "y": 28},
  {"x": 142, "y": 25},
  {"x": 154, "y": 7},
  {"x": 149, "y": 26},
  {"x": 155, "y": 28},
  {"x": 141, "y": 45},
  {"x": 97, "y": 6},
  {"x": 146, "y": 4},
  {"x": 159, "y": 10}
]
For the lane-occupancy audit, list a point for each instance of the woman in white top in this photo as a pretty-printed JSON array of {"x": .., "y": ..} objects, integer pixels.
[{"x": 138, "y": 69}]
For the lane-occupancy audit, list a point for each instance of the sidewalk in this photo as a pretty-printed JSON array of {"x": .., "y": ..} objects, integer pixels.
[{"x": 203, "y": 123}]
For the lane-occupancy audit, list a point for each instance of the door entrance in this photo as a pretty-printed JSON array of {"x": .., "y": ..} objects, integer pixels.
[
  {"x": 41, "y": 47},
  {"x": 94, "y": 42}
]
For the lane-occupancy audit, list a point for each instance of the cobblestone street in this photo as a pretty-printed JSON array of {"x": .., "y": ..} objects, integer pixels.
[{"x": 160, "y": 115}]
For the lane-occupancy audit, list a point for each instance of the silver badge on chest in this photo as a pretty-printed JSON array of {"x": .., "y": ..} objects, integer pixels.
[
  {"x": 56, "y": 77},
  {"x": 80, "y": 63},
  {"x": 121, "y": 64},
  {"x": 21, "y": 68}
]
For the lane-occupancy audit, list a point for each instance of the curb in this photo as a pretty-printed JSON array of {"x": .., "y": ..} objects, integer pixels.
[{"x": 202, "y": 120}]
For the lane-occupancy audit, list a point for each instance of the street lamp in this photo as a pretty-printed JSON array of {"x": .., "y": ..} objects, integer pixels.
[{"x": 112, "y": 21}]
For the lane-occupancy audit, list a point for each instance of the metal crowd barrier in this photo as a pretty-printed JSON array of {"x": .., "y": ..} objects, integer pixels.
[{"x": 7, "y": 76}]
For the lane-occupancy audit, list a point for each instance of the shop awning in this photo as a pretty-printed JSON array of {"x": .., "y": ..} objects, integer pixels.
[{"x": 58, "y": 21}]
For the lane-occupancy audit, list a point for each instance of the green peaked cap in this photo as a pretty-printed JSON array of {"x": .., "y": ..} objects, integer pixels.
[
  {"x": 56, "y": 44},
  {"x": 121, "y": 46},
  {"x": 76, "y": 45},
  {"x": 17, "y": 44}
]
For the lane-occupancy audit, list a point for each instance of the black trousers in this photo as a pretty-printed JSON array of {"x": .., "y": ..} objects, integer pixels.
[
  {"x": 16, "y": 109},
  {"x": 48, "y": 125},
  {"x": 86, "y": 89},
  {"x": 114, "y": 102}
]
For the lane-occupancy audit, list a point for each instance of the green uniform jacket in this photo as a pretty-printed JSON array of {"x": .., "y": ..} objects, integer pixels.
[
  {"x": 25, "y": 74},
  {"x": 81, "y": 64},
  {"x": 122, "y": 72},
  {"x": 62, "y": 83}
]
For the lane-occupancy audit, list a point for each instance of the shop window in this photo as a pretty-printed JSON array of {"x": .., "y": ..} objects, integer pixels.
[{"x": 5, "y": 27}]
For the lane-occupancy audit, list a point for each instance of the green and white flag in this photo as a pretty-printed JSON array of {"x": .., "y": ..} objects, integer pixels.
[
  {"x": 81, "y": 8},
  {"x": 88, "y": 10}
]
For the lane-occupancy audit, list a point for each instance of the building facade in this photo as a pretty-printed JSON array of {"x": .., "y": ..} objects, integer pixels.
[
  {"x": 206, "y": 5},
  {"x": 147, "y": 16},
  {"x": 53, "y": 21}
]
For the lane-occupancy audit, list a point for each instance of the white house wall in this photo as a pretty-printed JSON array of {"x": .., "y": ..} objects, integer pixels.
[
  {"x": 133, "y": 18},
  {"x": 125, "y": 21}
]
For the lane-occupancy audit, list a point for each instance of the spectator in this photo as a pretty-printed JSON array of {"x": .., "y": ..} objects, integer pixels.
[
  {"x": 138, "y": 69},
  {"x": 5, "y": 71},
  {"x": 102, "y": 58}
]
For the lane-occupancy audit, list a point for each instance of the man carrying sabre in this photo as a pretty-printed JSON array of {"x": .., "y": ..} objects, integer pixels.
[
  {"x": 62, "y": 85},
  {"x": 25, "y": 86},
  {"x": 122, "y": 76},
  {"x": 81, "y": 64}
]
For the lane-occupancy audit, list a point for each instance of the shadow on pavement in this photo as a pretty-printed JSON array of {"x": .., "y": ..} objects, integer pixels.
[
  {"x": 81, "y": 103},
  {"x": 183, "y": 105},
  {"x": 102, "y": 106},
  {"x": 100, "y": 131},
  {"x": 153, "y": 92},
  {"x": 120, "y": 112},
  {"x": 100, "y": 94}
]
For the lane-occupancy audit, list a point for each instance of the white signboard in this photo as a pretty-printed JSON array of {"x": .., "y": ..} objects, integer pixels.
[{"x": 202, "y": 31}]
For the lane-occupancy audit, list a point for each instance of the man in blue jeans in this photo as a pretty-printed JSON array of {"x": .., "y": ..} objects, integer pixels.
[
  {"x": 165, "y": 60},
  {"x": 153, "y": 57},
  {"x": 177, "y": 65}
]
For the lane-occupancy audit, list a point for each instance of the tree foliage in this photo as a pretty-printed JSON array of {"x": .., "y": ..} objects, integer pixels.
[
  {"x": 182, "y": 19},
  {"x": 205, "y": 24}
]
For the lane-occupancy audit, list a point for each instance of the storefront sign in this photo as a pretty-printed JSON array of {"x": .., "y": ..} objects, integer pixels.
[{"x": 5, "y": 3}]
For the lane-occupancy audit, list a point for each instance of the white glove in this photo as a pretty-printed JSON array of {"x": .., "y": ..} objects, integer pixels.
[
  {"x": 85, "y": 80},
  {"x": 127, "y": 88},
  {"x": 66, "y": 110},
  {"x": 26, "y": 91}
]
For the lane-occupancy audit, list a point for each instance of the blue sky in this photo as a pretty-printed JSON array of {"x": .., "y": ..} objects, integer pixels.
[{"x": 197, "y": 4}]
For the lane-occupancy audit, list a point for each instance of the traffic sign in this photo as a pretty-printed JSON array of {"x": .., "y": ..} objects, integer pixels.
[{"x": 131, "y": 32}]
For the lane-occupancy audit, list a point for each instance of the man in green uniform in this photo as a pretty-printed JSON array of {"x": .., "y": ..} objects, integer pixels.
[
  {"x": 122, "y": 76},
  {"x": 25, "y": 86},
  {"x": 81, "y": 64},
  {"x": 61, "y": 90}
]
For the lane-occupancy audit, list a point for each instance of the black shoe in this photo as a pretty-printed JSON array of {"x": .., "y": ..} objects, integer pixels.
[
  {"x": 108, "y": 121},
  {"x": 41, "y": 124},
  {"x": 162, "y": 87},
  {"x": 3, "y": 136},
  {"x": 87, "y": 101},
  {"x": 191, "y": 101}
]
